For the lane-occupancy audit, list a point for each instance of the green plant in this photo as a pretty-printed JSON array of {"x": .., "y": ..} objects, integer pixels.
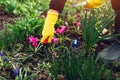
[
  {"x": 25, "y": 7},
  {"x": 6, "y": 39},
  {"x": 70, "y": 18},
  {"x": 10, "y": 6},
  {"x": 25, "y": 27},
  {"x": 1, "y": 3},
  {"x": 59, "y": 23},
  {"x": 22, "y": 75},
  {"x": 20, "y": 31},
  {"x": 32, "y": 7},
  {"x": 93, "y": 23},
  {"x": 76, "y": 65}
]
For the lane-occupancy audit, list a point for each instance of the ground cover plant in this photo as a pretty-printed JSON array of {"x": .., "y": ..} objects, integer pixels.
[{"x": 72, "y": 55}]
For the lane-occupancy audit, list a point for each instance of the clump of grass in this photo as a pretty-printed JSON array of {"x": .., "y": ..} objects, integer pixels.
[{"x": 76, "y": 65}]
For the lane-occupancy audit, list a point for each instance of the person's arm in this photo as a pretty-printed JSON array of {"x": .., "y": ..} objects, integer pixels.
[
  {"x": 116, "y": 8},
  {"x": 56, "y": 7},
  {"x": 115, "y": 4}
]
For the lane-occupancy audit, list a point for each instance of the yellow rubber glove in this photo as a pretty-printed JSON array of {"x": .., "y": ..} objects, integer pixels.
[
  {"x": 48, "y": 30},
  {"x": 94, "y": 3}
]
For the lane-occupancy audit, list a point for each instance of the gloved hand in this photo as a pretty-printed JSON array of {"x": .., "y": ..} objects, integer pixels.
[
  {"x": 94, "y": 3},
  {"x": 48, "y": 30}
]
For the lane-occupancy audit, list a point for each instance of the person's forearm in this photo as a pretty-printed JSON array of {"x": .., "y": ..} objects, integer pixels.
[
  {"x": 115, "y": 4},
  {"x": 116, "y": 8},
  {"x": 57, "y": 5}
]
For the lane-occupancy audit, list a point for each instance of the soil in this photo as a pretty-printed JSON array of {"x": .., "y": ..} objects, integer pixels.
[
  {"x": 9, "y": 18},
  {"x": 6, "y": 18}
]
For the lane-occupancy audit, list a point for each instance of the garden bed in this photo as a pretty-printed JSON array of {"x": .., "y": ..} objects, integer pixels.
[
  {"x": 6, "y": 18},
  {"x": 62, "y": 59}
]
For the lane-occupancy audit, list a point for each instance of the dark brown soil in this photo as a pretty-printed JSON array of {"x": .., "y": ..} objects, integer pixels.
[{"x": 6, "y": 18}]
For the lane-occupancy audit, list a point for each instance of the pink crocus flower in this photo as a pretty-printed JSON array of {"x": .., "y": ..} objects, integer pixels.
[
  {"x": 79, "y": 24},
  {"x": 33, "y": 40},
  {"x": 63, "y": 28},
  {"x": 54, "y": 40},
  {"x": 35, "y": 44},
  {"x": 60, "y": 31},
  {"x": 57, "y": 30}
]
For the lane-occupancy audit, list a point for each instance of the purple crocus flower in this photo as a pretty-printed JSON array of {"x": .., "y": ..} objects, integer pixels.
[
  {"x": 5, "y": 59},
  {"x": 2, "y": 53},
  {"x": 16, "y": 71}
]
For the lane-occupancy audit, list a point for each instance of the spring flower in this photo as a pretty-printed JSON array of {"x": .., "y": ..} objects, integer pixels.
[
  {"x": 35, "y": 44},
  {"x": 6, "y": 60},
  {"x": 63, "y": 28},
  {"x": 57, "y": 30},
  {"x": 60, "y": 31},
  {"x": 2, "y": 53},
  {"x": 33, "y": 40},
  {"x": 16, "y": 71},
  {"x": 54, "y": 40},
  {"x": 79, "y": 24}
]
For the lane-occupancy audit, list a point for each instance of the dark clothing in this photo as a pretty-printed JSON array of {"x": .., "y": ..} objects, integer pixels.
[
  {"x": 116, "y": 8},
  {"x": 117, "y": 21},
  {"x": 57, "y": 5},
  {"x": 115, "y": 4}
]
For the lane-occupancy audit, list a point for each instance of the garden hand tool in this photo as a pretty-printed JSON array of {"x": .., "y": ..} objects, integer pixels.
[
  {"x": 112, "y": 53},
  {"x": 90, "y": 4},
  {"x": 48, "y": 29}
]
